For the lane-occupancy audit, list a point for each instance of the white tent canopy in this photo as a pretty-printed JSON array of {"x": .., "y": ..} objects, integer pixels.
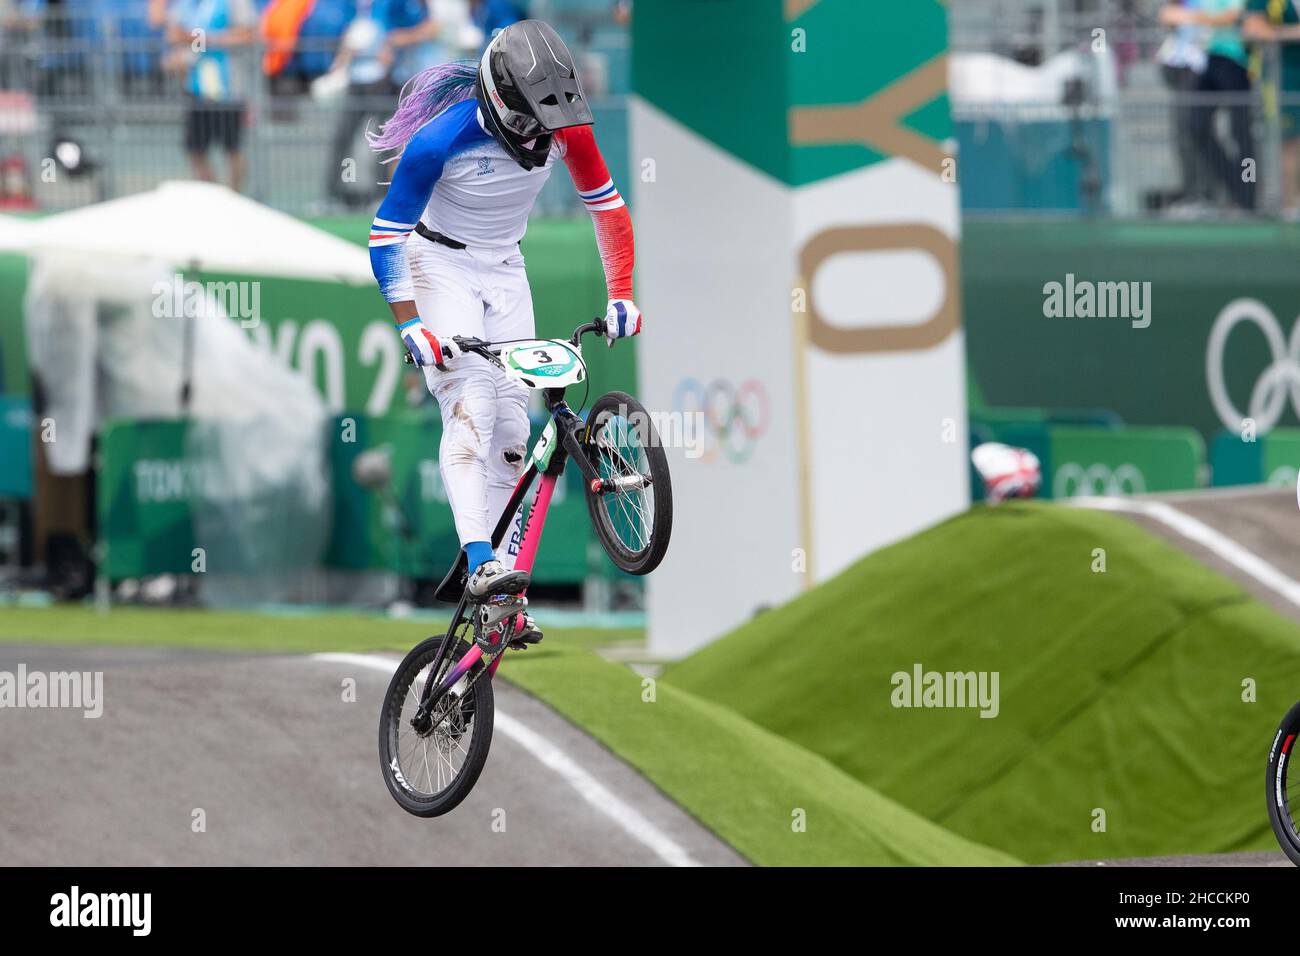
[
  {"x": 202, "y": 226},
  {"x": 15, "y": 234}
]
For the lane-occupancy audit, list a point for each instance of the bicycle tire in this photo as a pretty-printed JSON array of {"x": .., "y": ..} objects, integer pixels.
[
  {"x": 1280, "y": 797},
  {"x": 647, "y": 556},
  {"x": 477, "y": 701}
]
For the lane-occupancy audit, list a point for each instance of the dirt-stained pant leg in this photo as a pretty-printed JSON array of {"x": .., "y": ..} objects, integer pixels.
[
  {"x": 509, "y": 316},
  {"x": 467, "y": 396},
  {"x": 506, "y": 461},
  {"x": 483, "y": 293},
  {"x": 449, "y": 297}
]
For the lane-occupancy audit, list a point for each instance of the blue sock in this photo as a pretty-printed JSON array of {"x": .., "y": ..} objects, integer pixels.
[{"x": 478, "y": 552}]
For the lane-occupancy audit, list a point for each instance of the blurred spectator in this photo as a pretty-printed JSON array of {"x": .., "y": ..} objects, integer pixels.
[
  {"x": 117, "y": 33},
  {"x": 1224, "y": 77},
  {"x": 65, "y": 28},
  {"x": 1182, "y": 61},
  {"x": 206, "y": 37},
  {"x": 302, "y": 38},
  {"x": 387, "y": 42},
  {"x": 1277, "y": 21},
  {"x": 493, "y": 16},
  {"x": 141, "y": 41},
  {"x": 459, "y": 37}
]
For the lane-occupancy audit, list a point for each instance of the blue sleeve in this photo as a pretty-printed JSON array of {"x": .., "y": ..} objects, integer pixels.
[{"x": 413, "y": 181}]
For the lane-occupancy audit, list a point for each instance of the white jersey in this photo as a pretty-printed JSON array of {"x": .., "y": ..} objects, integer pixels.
[
  {"x": 456, "y": 179},
  {"x": 483, "y": 197}
]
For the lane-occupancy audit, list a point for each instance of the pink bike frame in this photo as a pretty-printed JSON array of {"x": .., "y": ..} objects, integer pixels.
[{"x": 532, "y": 539}]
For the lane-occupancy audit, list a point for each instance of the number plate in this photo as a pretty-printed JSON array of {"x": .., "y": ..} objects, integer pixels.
[{"x": 545, "y": 363}]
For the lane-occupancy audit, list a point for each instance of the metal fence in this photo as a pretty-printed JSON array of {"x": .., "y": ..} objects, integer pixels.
[
  {"x": 1121, "y": 135},
  {"x": 82, "y": 121}
]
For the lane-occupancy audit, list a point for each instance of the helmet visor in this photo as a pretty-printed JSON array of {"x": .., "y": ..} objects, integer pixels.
[{"x": 521, "y": 124}]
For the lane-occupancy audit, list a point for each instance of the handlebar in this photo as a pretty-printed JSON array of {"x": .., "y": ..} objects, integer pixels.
[
  {"x": 479, "y": 346},
  {"x": 595, "y": 325}
]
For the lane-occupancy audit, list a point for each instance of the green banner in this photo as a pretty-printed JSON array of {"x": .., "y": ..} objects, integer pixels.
[
  {"x": 342, "y": 335},
  {"x": 148, "y": 484},
  {"x": 143, "y": 495},
  {"x": 1102, "y": 460},
  {"x": 366, "y": 526},
  {"x": 1128, "y": 461},
  {"x": 1220, "y": 303}
]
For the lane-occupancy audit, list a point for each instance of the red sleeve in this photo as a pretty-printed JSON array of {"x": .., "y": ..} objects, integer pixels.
[{"x": 608, "y": 211}]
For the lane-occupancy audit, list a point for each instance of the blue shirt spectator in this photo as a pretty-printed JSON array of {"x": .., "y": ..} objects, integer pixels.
[
  {"x": 493, "y": 16},
  {"x": 387, "y": 40},
  {"x": 99, "y": 27},
  {"x": 214, "y": 73},
  {"x": 320, "y": 35}
]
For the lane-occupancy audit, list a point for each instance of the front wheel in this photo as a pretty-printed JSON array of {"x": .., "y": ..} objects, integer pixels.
[
  {"x": 633, "y": 511},
  {"x": 431, "y": 766},
  {"x": 1284, "y": 790}
]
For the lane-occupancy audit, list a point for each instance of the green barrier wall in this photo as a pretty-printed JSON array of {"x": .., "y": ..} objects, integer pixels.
[
  {"x": 1092, "y": 461},
  {"x": 341, "y": 334},
  {"x": 322, "y": 325},
  {"x": 364, "y": 534},
  {"x": 14, "y": 379},
  {"x": 1159, "y": 375},
  {"x": 147, "y": 526},
  {"x": 142, "y": 499},
  {"x": 1016, "y": 356},
  {"x": 1270, "y": 459},
  {"x": 15, "y": 447},
  {"x": 1086, "y": 460}
]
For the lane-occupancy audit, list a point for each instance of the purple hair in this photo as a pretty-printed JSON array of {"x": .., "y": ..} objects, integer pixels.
[{"x": 424, "y": 96}]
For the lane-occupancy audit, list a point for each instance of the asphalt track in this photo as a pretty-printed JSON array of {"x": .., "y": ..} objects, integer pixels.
[
  {"x": 286, "y": 772},
  {"x": 1265, "y": 521}
]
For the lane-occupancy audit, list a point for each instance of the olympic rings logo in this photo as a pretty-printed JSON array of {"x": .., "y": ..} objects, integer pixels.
[
  {"x": 1072, "y": 479},
  {"x": 1279, "y": 381},
  {"x": 735, "y": 417}
]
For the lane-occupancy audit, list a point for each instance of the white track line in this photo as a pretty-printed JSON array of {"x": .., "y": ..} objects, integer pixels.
[
  {"x": 1192, "y": 529},
  {"x": 632, "y": 821}
]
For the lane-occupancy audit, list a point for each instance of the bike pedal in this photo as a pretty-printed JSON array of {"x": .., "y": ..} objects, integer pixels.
[
  {"x": 499, "y": 607},
  {"x": 525, "y": 641}
]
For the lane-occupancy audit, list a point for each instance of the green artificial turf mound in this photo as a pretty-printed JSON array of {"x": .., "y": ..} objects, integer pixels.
[
  {"x": 1120, "y": 691},
  {"x": 751, "y": 787}
]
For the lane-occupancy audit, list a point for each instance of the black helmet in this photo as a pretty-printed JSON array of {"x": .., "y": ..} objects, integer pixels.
[{"x": 527, "y": 88}]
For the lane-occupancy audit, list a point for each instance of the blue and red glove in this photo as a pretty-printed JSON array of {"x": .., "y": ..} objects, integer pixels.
[
  {"x": 622, "y": 319},
  {"x": 425, "y": 347}
]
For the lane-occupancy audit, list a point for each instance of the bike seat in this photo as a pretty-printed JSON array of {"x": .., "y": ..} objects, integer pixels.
[{"x": 453, "y": 585}]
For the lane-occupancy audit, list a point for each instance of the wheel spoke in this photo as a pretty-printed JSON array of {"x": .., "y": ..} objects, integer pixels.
[
  {"x": 631, "y": 512},
  {"x": 430, "y": 763}
]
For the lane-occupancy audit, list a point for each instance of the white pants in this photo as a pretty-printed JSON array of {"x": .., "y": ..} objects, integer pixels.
[{"x": 480, "y": 292}]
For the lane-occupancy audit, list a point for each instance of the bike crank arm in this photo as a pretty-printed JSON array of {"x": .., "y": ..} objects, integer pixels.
[{"x": 487, "y": 670}]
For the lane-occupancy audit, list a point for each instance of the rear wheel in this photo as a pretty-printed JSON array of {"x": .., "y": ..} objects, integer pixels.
[
  {"x": 431, "y": 768},
  {"x": 633, "y": 512},
  {"x": 1283, "y": 785}
]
